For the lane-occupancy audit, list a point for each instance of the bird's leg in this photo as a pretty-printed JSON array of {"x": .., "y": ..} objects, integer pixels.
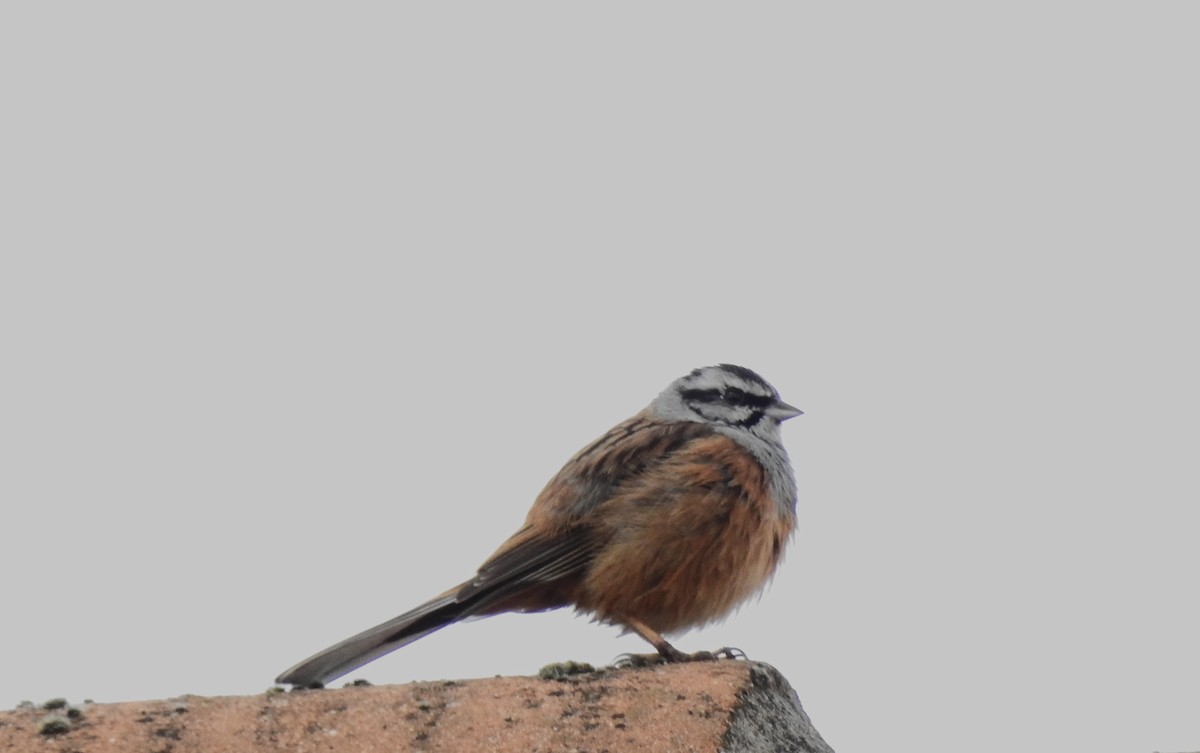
[{"x": 667, "y": 654}]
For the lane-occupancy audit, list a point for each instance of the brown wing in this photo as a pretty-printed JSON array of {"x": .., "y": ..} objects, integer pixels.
[{"x": 541, "y": 566}]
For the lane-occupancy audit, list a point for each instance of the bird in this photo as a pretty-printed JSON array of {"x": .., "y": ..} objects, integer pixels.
[{"x": 667, "y": 522}]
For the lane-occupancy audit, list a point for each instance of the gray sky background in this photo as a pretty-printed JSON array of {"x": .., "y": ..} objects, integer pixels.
[{"x": 301, "y": 305}]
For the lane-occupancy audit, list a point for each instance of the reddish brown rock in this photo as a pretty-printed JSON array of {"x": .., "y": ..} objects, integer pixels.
[{"x": 727, "y": 706}]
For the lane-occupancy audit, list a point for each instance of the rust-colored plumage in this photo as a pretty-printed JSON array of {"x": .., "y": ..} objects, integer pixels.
[{"x": 668, "y": 521}]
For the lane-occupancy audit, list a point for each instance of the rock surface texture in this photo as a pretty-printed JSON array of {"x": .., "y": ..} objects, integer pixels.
[{"x": 731, "y": 706}]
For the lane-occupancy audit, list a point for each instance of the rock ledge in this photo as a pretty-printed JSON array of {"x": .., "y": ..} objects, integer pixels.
[{"x": 731, "y": 706}]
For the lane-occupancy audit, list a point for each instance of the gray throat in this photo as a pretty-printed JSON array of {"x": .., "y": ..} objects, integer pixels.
[{"x": 774, "y": 459}]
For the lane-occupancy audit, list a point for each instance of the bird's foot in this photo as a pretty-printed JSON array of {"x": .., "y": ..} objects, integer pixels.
[
  {"x": 673, "y": 655},
  {"x": 726, "y": 652}
]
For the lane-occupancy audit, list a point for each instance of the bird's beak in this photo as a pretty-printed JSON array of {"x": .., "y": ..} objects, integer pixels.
[{"x": 781, "y": 411}]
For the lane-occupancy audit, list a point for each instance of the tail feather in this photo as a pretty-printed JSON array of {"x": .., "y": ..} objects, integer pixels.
[
  {"x": 523, "y": 578},
  {"x": 373, "y": 643}
]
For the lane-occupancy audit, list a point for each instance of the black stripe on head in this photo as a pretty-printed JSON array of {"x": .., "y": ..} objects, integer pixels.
[
  {"x": 728, "y": 394},
  {"x": 751, "y": 420},
  {"x": 694, "y": 395},
  {"x": 745, "y": 374},
  {"x": 736, "y": 396}
]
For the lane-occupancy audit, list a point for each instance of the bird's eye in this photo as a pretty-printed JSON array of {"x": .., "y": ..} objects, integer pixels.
[{"x": 734, "y": 395}]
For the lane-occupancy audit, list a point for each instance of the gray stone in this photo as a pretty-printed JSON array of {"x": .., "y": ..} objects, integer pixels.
[{"x": 769, "y": 718}]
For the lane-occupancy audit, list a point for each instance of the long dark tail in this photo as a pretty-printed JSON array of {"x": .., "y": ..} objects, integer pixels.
[{"x": 371, "y": 644}]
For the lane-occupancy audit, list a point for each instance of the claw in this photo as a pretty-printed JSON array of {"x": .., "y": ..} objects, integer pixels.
[{"x": 627, "y": 661}]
